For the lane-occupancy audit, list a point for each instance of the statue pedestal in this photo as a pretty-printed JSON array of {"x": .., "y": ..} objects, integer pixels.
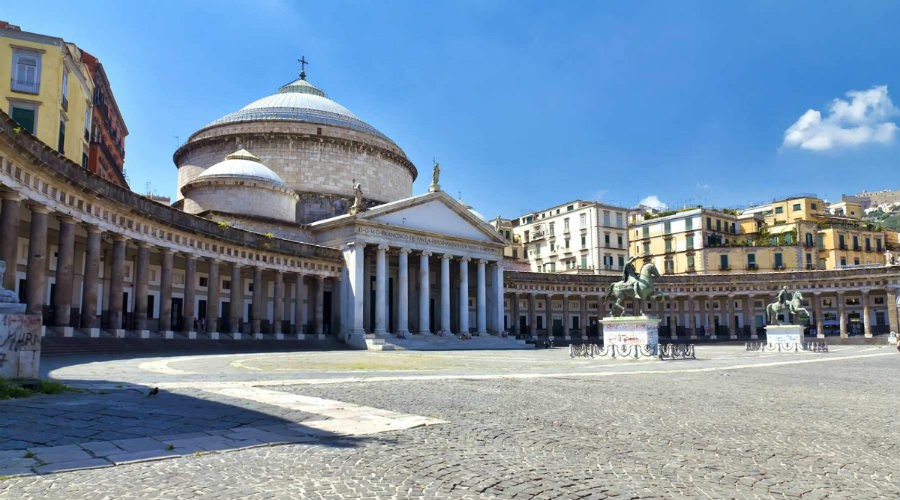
[
  {"x": 784, "y": 334},
  {"x": 20, "y": 342},
  {"x": 631, "y": 331}
]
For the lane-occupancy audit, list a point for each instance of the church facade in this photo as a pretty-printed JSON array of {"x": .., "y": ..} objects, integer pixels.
[{"x": 294, "y": 217}]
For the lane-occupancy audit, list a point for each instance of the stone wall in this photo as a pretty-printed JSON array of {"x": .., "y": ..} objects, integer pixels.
[{"x": 248, "y": 199}]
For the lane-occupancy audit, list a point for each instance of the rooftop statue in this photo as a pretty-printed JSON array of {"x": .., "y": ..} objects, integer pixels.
[
  {"x": 784, "y": 301},
  {"x": 357, "y": 198},
  {"x": 637, "y": 286},
  {"x": 6, "y": 296},
  {"x": 435, "y": 174}
]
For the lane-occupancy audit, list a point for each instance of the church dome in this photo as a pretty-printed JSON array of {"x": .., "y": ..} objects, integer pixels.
[
  {"x": 241, "y": 164},
  {"x": 299, "y": 101}
]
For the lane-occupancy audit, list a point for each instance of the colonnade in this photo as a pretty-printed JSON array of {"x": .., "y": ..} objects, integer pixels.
[
  {"x": 414, "y": 299},
  {"x": 297, "y": 302}
]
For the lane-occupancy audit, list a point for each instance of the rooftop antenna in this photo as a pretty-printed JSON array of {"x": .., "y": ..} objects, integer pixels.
[{"x": 303, "y": 62}]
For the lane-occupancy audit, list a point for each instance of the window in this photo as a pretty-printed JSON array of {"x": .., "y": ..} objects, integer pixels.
[
  {"x": 226, "y": 284},
  {"x": 689, "y": 224},
  {"x": 584, "y": 262},
  {"x": 809, "y": 261},
  {"x": 797, "y": 207},
  {"x": 841, "y": 243},
  {"x": 515, "y": 254},
  {"x": 843, "y": 261},
  {"x": 566, "y": 225},
  {"x": 65, "y": 90},
  {"x": 620, "y": 220},
  {"x": 856, "y": 242},
  {"x": 87, "y": 122},
  {"x": 856, "y": 261},
  {"x": 690, "y": 262},
  {"x": 537, "y": 250},
  {"x": 584, "y": 242},
  {"x": 667, "y": 227},
  {"x": 582, "y": 220},
  {"x": 204, "y": 281},
  {"x": 723, "y": 262},
  {"x": 26, "y": 71},
  {"x": 709, "y": 223},
  {"x": 751, "y": 261},
  {"x": 646, "y": 248},
  {"x": 552, "y": 246},
  {"x": 689, "y": 240},
  {"x": 646, "y": 231},
  {"x": 567, "y": 242},
  {"x": 25, "y": 113},
  {"x": 668, "y": 244},
  {"x": 809, "y": 239},
  {"x": 570, "y": 208},
  {"x": 621, "y": 261},
  {"x": 669, "y": 266},
  {"x": 868, "y": 244},
  {"x": 779, "y": 210},
  {"x": 620, "y": 240},
  {"x": 718, "y": 225},
  {"x": 61, "y": 145},
  {"x": 813, "y": 206},
  {"x": 552, "y": 227},
  {"x": 878, "y": 244},
  {"x": 779, "y": 261},
  {"x": 606, "y": 239},
  {"x": 788, "y": 239},
  {"x": 606, "y": 221}
]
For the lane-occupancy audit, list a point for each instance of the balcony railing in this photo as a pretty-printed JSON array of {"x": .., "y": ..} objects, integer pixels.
[
  {"x": 537, "y": 235},
  {"x": 810, "y": 266},
  {"x": 752, "y": 267},
  {"x": 26, "y": 87},
  {"x": 842, "y": 247},
  {"x": 724, "y": 267},
  {"x": 779, "y": 268}
]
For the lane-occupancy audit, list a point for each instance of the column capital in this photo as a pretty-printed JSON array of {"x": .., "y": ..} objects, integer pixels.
[
  {"x": 446, "y": 256},
  {"x": 465, "y": 259},
  {"x": 236, "y": 265},
  {"x": 188, "y": 256},
  {"x": 426, "y": 253},
  {"x": 66, "y": 218},
  {"x": 214, "y": 260},
  {"x": 119, "y": 237},
  {"x": 355, "y": 245},
  {"x": 320, "y": 277},
  {"x": 143, "y": 244},
  {"x": 38, "y": 208},
  {"x": 405, "y": 250},
  {"x": 482, "y": 261},
  {"x": 91, "y": 228},
  {"x": 384, "y": 247},
  {"x": 11, "y": 195}
]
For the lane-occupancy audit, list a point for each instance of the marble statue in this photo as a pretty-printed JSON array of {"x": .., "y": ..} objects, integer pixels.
[
  {"x": 357, "y": 198},
  {"x": 639, "y": 287},
  {"x": 6, "y": 296},
  {"x": 888, "y": 258},
  {"x": 792, "y": 305},
  {"x": 435, "y": 174}
]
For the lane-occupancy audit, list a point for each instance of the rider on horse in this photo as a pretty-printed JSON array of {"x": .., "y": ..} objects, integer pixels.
[
  {"x": 630, "y": 276},
  {"x": 783, "y": 297}
]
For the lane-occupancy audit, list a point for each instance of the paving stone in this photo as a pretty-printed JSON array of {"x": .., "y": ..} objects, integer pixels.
[
  {"x": 92, "y": 463},
  {"x": 100, "y": 448},
  {"x": 141, "y": 456},
  {"x": 52, "y": 454},
  {"x": 139, "y": 444}
]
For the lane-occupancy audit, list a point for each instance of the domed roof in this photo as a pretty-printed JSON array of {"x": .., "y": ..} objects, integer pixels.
[
  {"x": 299, "y": 101},
  {"x": 471, "y": 210},
  {"x": 241, "y": 164}
]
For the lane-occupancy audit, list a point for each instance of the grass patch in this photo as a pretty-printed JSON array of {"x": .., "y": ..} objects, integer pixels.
[
  {"x": 22, "y": 388},
  {"x": 170, "y": 447},
  {"x": 28, "y": 454}
]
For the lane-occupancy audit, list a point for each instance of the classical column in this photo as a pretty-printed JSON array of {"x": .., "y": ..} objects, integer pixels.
[
  {"x": 278, "y": 306},
  {"x": 256, "y": 307},
  {"x": 514, "y": 313},
  {"x": 673, "y": 319},
  {"x": 65, "y": 272},
  {"x": 481, "y": 299},
  {"x": 464, "y": 295},
  {"x": 753, "y": 334},
  {"x": 892, "y": 305},
  {"x": 445, "y": 293},
  {"x": 497, "y": 270},
  {"x": 403, "y": 293},
  {"x": 732, "y": 327},
  {"x": 817, "y": 310},
  {"x": 141, "y": 275},
  {"x": 424, "y": 293},
  {"x": 190, "y": 292},
  {"x": 565, "y": 304},
  {"x": 584, "y": 317},
  {"x": 748, "y": 314},
  {"x": 532, "y": 314},
  {"x": 165, "y": 290},
  {"x": 320, "y": 305},
  {"x": 867, "y": 322},
  {"x": 692, "y": 317},
  {"x": 213, "y": 293},
  {"x": 842, "y": 313},
  {"x": 380, "y": 290},
  {"x": 336, "y": 301},
  {"x": 9, "y": 244},
  {"x": 299, "y": 305},
  {"x": 91, "y": 279},
  {"x": 116, "y": 283},
  {"x": 354, "y": 259},
  {"x": 36, "y": 284},
  {"x": 236, "y": 301}
]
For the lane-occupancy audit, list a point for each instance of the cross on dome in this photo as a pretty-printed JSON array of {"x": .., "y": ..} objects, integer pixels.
[{"x": 303, "y": 62}]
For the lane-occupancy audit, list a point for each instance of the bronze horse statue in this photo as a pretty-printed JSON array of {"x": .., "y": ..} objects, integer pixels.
[{"x": 645, "y": 290}]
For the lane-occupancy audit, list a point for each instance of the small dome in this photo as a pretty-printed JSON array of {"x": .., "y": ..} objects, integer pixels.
[
  {"x": 471, "y": 210},
  {"x": 241, "y": 164}
]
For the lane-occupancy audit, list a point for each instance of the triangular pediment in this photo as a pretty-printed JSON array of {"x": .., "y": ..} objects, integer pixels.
[{"x": 435, "y": 213}]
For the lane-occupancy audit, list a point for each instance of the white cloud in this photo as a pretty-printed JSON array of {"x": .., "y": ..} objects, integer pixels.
[
  {"x": 600, "y": 195},
  {"x": 862, "y": 120},
  {"x": 702, "y": 185},
  {"x": 653, "y": 201}
]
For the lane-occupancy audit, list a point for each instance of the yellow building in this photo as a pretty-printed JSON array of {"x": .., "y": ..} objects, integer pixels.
[{"x": 50, "y": 91}]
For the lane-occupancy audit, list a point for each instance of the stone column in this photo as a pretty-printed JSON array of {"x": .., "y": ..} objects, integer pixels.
[
  {"x": 565, "y": 304},
  {"x": 532, "y": 314},
  {"x": 320, "y": 305},
  {"x": 732, "y": 327},
  {"x": 91, "y": 280},
  {"x": 403, "y": 293},
  {"x": 893, "y": 316},
  {"x": 141, "y": 275},
  {"x": 842, "y": 313},
  {"x": 673, "y": 318},
  {"x": 867, "y": 321},
  {"x": 256, "y": 307},
  {"x": 692, "y": 317},
  {"x": 236, "y": 301},
  {"x": 278, "y": 305},
  {"x": 445, "y": 293},
  {"x": 497, "y": 270},
  {"x": 336, "y": 301},
  {"x": 116, "y": 283},
  {"x": 299, "y": 305},
  {"x": 584, "y": 318},
  {"x": 481, "y": 299},
  {"x": 9, "y": 244},
  {"x": 165, "y": 292},
  {"x": 424, "y": 293},
  {"x": 36, "y": 284},
  {"x": 514, "y": 313},
  {"x": 190, "y": 293},
  {"x": 817, "y": 310},
  {"x": 748, "y": 314},
  {"x": 213, "y": 294},
  {"x": 354, "y": 259},
  {"x": 464, "y": 295},
  {"x": 65, "y": 272},
  {"x": 380, "y": 290}
]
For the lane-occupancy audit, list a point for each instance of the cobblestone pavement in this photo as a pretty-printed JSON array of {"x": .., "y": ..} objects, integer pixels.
[{"x": 734, "y": 425}]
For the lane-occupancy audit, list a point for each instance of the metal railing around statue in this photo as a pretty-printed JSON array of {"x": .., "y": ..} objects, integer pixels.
[
  {"x": 787, "y": 346},
  {"x": 662, "y": 351}
]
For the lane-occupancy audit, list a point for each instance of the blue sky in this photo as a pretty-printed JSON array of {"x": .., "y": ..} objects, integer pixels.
[{"x": 528, "y": 104}]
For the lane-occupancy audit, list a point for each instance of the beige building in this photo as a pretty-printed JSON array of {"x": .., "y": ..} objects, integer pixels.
[{"x": 576, "y": 237}]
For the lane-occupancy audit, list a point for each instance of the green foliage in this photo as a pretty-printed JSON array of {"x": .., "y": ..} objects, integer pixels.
[
  {"x": 170, "y": 447},
  {"x": 28, "y": 454},
  {"x": 52, "y": 387},
  {"x": 270, "y": 235},
  {"x": 10, "y": 389},
  {"x": 224, "y": 224},
  {"x": 17, "y": 130},
  {"x": 892, "y": 222}
]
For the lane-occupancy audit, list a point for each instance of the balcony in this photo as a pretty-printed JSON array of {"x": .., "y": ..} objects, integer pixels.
[
  {"x": 537, "y": 235},
  {"x": 810, "y": 266},
  {"x": 25, "y": 87},
  {"x": 691, "y": 269},
  {"x": 779, "y": 267},
  {"x": 857, "y": 248},
  {"x": 752, "y": 267},
  {"x": 724, "y": 267},
  {"x": 842, "y": 247}
]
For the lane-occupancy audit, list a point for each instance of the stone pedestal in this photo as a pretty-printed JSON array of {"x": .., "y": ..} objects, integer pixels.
[
  {"x": 784, "y": 334},
  {"x": 631, "y": 330},
  {"x": 20, "y": 342}
]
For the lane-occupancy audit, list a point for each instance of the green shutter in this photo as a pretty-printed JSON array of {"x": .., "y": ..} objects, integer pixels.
[{"x": 25, "y": 117}]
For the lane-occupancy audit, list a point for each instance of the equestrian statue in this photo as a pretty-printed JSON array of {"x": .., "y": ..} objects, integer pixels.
[
  {"x": 784, "y": 302},
  {"x": 637, "y": 286}
]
